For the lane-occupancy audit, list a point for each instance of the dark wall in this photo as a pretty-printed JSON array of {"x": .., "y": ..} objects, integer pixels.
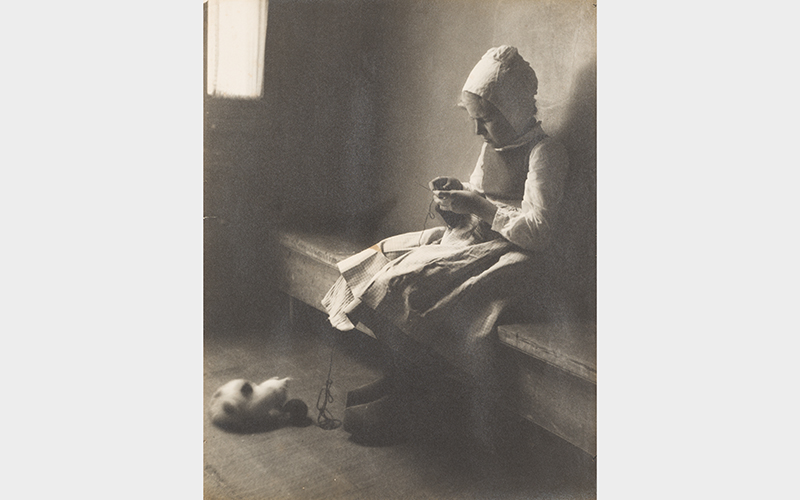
[
  {"x": 359, "y": 111},
  {"x": 302, "y": 154}
]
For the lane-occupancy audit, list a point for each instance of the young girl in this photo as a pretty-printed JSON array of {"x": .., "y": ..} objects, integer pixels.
[{"x": 433, "y": 297}]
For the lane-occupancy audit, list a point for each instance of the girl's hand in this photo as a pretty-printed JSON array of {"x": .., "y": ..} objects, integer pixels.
[
  {"x": 465, "y": 202},
  {"x": 445, "y": 184}
]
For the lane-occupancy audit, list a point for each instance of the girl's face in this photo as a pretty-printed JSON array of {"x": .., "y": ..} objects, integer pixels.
[{"x": 489, "y": 122}]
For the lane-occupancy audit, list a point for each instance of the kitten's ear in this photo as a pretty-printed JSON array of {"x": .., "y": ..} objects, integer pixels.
[
  {"x": 229, "y": 408},
  {"x": 247, "y": 389}
]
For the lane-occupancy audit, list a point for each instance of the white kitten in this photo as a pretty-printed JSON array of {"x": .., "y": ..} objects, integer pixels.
[{"x": 240, "y": 404}]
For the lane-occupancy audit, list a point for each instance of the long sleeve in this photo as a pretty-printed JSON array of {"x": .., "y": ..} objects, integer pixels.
[{"x": 528, "y": 223}]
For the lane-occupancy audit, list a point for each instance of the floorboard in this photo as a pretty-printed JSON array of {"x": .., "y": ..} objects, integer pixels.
[{"x": 440, "y": 461}]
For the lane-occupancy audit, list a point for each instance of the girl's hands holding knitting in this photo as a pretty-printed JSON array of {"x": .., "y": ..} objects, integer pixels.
[
  {"x": 465, "y": 202},
  {"x": 445, "y": 184},
  {"x": 450, "y": 195}
]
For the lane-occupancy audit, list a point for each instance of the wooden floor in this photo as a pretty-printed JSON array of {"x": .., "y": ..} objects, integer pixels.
[{"x": 440, "y": 461}]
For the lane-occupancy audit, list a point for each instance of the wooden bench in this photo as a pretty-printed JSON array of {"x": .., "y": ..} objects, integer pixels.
[{"x": 555, "y": 364}]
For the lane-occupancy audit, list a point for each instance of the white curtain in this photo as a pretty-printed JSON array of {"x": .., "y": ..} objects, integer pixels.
[{"x": 237, "y": 33}]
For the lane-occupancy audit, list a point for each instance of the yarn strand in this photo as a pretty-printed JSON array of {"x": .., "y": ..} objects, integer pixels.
[
  {"x": 325, "y": 419},
  {"x": 429, "y": 215}
]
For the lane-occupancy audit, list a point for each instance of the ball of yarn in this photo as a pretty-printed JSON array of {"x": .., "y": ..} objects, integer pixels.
[{"x": 297, "y": 410}]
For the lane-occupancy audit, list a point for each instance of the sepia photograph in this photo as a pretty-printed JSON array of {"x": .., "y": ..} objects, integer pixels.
[{"x": 399, "y": 247}]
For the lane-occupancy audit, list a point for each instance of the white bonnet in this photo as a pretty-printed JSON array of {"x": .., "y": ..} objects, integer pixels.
[{"x": 505, "y": 79}]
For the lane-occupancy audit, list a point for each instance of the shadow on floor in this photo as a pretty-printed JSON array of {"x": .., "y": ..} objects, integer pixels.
[{"x": 439, "y": 460}]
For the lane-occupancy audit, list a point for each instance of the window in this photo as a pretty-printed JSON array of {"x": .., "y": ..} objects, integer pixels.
[{"x": 237, "y": 33}]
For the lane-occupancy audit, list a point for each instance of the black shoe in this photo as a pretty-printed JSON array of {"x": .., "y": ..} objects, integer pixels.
[
  {"x": 380, "y": 422},
  {"x": 370, "y": 392}
]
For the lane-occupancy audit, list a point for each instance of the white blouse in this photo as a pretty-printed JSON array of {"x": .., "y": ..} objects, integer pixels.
[{"x": 526, "y": 222}]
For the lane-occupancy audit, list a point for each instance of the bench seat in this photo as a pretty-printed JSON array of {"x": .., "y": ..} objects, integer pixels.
[
  {"x": 556, "y": 377},
  {"x": 307, "y": 263},
  {"x": 555, "y": 363}
]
